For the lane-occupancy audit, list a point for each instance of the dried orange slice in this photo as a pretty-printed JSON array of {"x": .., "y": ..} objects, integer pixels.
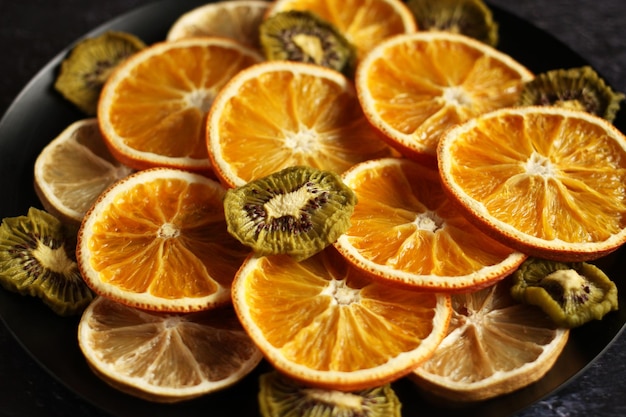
[
  {"x": 405, "y": 230},
  {"x": 279, "y": 114},
  {"x": 328, "y": 325},
  {"x": 545, "y": 180},
  {"x": 238, "y": 20},
  {"x": 364, "y": 23},
  {"x": 153, "y": 107},
  {"x": 494, "y": 346},
  {"x": 157, "y": 240},
  {"x": 165, "y": 357},
  {"x": 413, "y": 87},
  {"x": 73, "y": 169}
]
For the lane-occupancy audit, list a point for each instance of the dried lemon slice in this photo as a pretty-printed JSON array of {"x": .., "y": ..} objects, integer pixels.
[
  {"x": 494, "y": 346},
  {"x": 237, "y": 20},
  {"x": 74, "y": 169},
  {"x": 165, "y": 357}
]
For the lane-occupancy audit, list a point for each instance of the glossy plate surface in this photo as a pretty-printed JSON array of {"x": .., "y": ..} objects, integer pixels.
[{"x": 51, "y": 340}]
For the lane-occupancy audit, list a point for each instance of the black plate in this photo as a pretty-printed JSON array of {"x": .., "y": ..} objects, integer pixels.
[{"x": 51, "y": 340}]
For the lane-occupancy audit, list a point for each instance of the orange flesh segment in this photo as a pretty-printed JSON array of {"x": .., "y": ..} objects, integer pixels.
[
  {"x": 450, "y": 83},
  {"x": 143, "y": 244},
  {"x": 533, "y": 163},
  {"x": 416, "y": 227},
  {"x": 285, "y": 132},
  {"x": 183, "y": 93},
  {"x": 304, "y": 318}
]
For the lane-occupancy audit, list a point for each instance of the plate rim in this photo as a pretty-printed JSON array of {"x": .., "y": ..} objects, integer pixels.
[{"x": 123, "y": 19}]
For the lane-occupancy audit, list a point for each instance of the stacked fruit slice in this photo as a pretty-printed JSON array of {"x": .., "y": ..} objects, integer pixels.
[
  {"x": 153, "y": 107},
  {"x": 551, "y": 184},
  {"x": 363, "y": 22},
  {"x": 452, "y": 188}
]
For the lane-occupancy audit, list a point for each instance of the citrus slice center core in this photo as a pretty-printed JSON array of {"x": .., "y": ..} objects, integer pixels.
[
  {"x": 302, "y": 141},
  {"x": 168, "y": 231},
  {"x": 201, "y": 99},
  {"x": 457, "y": 96},
  {"x": 341, "y": 293},
  {"x": 538, "y": 164}
]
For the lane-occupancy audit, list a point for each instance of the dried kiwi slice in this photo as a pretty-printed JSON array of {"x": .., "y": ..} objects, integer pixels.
[
  {"x": 296, "y": 211},
  {"x": 282, "y": 397},
  {"x": 572, "y": 293},
  {"x": 298, "y": 35},
  {"x": 471, "y": 18},
  {"x": 88, "y": 65},
  {"x": 575, "y": 88},
  {"x": 37, "y": 259}
]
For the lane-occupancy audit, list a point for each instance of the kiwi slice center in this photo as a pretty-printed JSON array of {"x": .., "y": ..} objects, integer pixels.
[
  {"x": 55, "y": 259},
  {"x": 311, "y": 45},
  {"x": 345, "y": 400},
  {"x": 289, "y": 204},
  {"x": 567, "y": 281}
]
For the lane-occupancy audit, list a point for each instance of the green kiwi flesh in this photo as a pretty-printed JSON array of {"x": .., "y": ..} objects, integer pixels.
[
  {"x": 578, "y": 88},
  {"x": 282, "y": 397},
  {"x": 37, "y": 259},
  {"x": 302, "y": 36},
  {"x": 296, "y": 211},
  {"x": 88, "y": 65},
  {"x": 572, "y": 294},
  {"x": 471, "y": 18}
]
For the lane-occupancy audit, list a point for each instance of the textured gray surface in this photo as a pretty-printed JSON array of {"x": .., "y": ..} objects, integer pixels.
[
  {"x": 596, "y": 29},
  {"x": 34, "y": 31}
]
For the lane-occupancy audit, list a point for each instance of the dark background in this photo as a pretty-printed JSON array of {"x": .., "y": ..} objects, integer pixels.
[{"x": 32, "y": 32}]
